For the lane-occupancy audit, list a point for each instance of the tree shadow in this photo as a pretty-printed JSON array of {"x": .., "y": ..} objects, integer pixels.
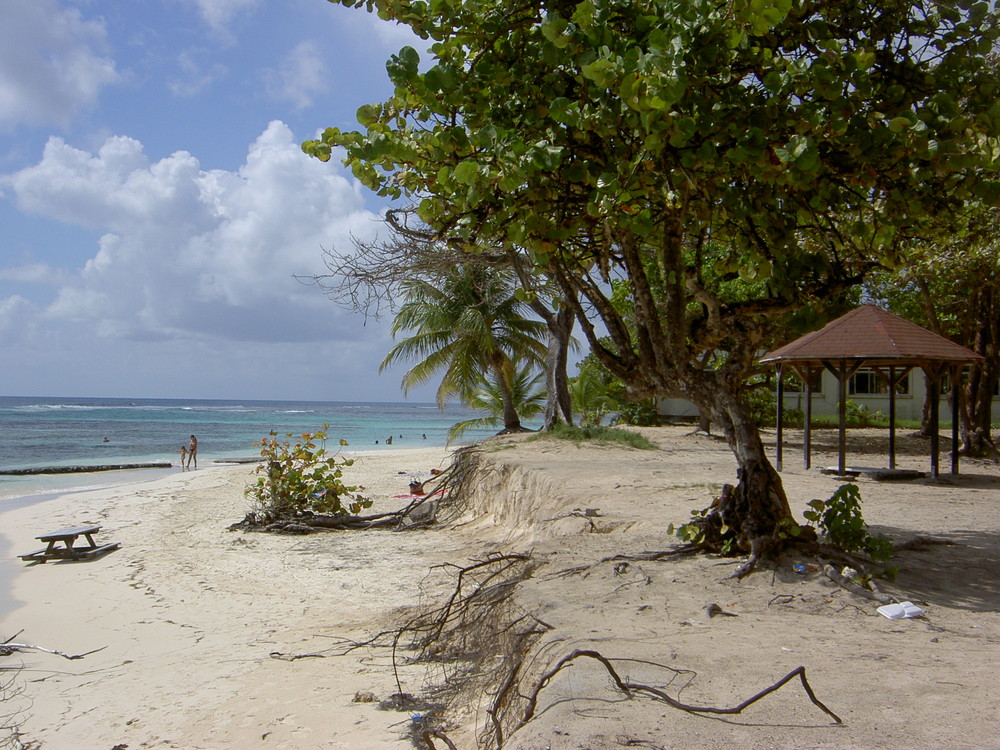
[
  {"x": 961, "y": 575},
  {"x": 963, "y": 481}
]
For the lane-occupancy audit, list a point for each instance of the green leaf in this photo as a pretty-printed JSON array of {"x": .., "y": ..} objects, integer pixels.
[
  {"x": 439, "y": 79},
  {"x": 402, "y": 67},
  {"x": 553, "y": 26},
  {"x": 367, "y": 115},
  {"x": 467, "y": 172},
  {"x": 601, "y": 72},
  {"x": 585, "y": 14}
]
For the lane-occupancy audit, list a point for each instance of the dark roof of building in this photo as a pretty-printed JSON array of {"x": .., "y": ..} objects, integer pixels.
[{"x": 872, "y": 334}]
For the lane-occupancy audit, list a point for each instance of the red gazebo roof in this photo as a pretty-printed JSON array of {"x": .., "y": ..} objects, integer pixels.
[{"x": 876, "y": 336}]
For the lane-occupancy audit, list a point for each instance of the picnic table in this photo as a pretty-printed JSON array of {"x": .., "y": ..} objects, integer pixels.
[{"x": 61, "y": 545}]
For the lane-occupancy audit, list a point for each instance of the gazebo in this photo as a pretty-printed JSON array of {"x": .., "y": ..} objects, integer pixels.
[{"x": 869, "y": 336}]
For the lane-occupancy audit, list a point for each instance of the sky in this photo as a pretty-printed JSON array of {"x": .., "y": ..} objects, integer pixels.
[{"x": 157, "y": 213}]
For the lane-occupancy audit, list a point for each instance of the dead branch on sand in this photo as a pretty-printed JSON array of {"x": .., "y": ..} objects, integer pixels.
[
  {"x": 10, "y": 724},
  {"x": 629, "y": 688},
  {"x": 845, "y": 583},
  {"x": 430, "y": 735},
  {"x": 8, "y": 647}
]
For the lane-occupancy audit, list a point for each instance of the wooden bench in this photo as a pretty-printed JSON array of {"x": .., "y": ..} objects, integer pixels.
[{"x": 61, "y": 545}]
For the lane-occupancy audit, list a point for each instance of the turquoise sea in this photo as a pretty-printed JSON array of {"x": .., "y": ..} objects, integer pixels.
[{"x": 53, "y": 432}]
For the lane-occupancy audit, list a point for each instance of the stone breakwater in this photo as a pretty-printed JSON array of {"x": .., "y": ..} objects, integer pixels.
[{"x": 85, "y": 469}]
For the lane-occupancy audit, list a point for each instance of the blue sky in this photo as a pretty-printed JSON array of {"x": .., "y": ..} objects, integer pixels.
[{"x": 155, "y": 207}]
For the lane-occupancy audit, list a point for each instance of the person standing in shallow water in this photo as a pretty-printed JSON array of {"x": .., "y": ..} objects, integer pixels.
[
  {"x": 184, "y": 455},
  {"x": 193, "y": 452}
]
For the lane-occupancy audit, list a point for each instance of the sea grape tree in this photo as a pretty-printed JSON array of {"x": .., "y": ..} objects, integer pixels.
[{"x": 680, "y": 145}]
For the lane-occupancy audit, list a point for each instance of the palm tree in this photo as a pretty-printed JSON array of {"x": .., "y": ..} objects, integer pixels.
[
  {"x": 469, "y": 324},
  {"x": 527, "y": 390},
  {"x": 589, "y": 392}
]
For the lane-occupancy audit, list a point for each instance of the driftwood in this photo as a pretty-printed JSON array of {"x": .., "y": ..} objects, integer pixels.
[
  {"x": 8, "y": 647},
  {"x": 295, "y": 657},
  {"x": 830, "y": 572},
  {"x": 630, "y": 688}
]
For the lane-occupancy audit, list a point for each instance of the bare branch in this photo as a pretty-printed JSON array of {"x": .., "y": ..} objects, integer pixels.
[{"x": 629, "y": 688}]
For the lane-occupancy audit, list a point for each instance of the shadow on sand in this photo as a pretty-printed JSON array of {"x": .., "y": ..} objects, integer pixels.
[{"x": 962, "y": 575}]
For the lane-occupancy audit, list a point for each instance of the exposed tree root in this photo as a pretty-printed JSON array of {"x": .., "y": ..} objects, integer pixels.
[
  {"x": 485, "y": 645},
  {"x": 651, "y": 556},
  {"x": 756, "y": 547},
  {"x": 476, "y": 636},
  {"x": 830, "y": 572},
  {"x": 629, "y": 688},
  {"x": 919, "y": 542},
  {"x": 10, "y": 723},
  {"x": 430, "y": 735}
]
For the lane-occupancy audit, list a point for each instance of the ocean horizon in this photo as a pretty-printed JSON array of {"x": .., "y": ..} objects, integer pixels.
[{"x": 44, "y": 432}]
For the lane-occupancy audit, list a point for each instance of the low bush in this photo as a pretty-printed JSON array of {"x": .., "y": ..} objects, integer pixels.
[
  {"x": 599, "y": 434},
  {"x": 303, "y": 477},
  {"x": 840, "y": 523}
]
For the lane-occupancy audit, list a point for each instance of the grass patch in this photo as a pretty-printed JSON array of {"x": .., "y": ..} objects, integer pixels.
[
  {"x": 832, "y": 422},
  {"x": 606, "y": 435}
]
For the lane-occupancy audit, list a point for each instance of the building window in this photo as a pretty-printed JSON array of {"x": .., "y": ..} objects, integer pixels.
[
  {"x": 867, "y": 382},
  {"x": 795, "y": 384}
]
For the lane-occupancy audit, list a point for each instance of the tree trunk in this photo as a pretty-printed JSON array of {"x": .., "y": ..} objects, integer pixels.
[
  {"x": 756, "y": 511},
  {"x": 925, "y": 414},
  {"x": 977, "y": 411},
  {"x": 558, "y": 406},
  {"x": 511, "y": 420}
]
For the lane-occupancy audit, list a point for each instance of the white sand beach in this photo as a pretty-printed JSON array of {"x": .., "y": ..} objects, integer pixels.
[{"x": 212, "y": 638}]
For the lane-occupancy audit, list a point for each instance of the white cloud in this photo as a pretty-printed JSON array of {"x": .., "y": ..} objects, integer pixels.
[
  {"x": 393, "y": 35},
  {"x": 13, "y": 312},
  {"x": 192, "y": 253},
  {"x": 299, "y": 77},
  {"x": 194, "y": 75},
  {"x": 50, "y": 63},
  {"x": 220, "y": 14}
]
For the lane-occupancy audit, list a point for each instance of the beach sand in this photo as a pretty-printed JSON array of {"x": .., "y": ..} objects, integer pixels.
[{"x": 217, "y": 639}]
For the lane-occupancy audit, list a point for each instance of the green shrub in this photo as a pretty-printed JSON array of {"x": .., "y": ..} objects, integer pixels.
[
  {"x": 763, "y": 405},
  {"x": 303, "y": 477},
  {"x": 793, "y": 418},
  {"x": 859, "y": 415},
  {"x": 640, "y": 413},
  {"x": 841, "y": 524},
  {"x": 598, "y": 434}
]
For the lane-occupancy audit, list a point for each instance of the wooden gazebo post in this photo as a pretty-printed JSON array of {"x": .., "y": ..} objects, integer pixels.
[
  {"x": 842, "y": 370},
  {"x": 779, "y": 442},
  {"x": 805, "y": 373},
  {"x": 892, "y": 378},
  {"x": 957, "y": 393},
  {"x": 934, "y": 396}
]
